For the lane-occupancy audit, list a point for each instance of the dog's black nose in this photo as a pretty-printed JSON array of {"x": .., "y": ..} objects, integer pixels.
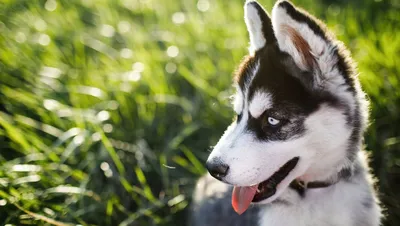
[{"x": 217, "y": 169}]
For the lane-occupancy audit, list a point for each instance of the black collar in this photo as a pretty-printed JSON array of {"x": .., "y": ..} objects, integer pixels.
[{"x": 301, "y": 186}]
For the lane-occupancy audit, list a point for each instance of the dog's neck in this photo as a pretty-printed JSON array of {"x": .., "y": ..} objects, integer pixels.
[
  {"x": 302, "y": 186},
  {"x": 339, "y": 173},
  {"x": 334, "y": 170}
]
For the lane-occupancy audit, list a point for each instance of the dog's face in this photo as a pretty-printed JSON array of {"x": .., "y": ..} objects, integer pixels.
[{"x": 298, "y": 104}]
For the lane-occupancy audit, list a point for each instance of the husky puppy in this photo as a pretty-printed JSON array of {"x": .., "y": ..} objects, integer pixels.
[{"x": 293, "y": 156}]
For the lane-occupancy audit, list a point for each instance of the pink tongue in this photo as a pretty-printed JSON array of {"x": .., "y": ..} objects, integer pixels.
[{"x": 242, "y": 197}]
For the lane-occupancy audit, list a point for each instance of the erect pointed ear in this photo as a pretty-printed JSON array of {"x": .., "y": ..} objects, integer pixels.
[
  {"x": 259, "y": 26},
  {"x": 312, "y": 47}
]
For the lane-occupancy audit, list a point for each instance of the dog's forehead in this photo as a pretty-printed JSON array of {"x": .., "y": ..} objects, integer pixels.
[{"x": 265, "y": 81}]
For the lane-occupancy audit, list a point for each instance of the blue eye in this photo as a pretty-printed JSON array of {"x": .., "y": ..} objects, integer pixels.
[{"x": 273, "y": 121}]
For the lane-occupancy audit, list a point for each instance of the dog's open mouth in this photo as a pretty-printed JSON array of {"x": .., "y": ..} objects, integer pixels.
[{"x": 243, "y": 196}]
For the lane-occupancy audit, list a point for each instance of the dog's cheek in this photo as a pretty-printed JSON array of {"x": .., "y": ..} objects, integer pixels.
[
  {"x": 245, "y": 162},
  {"x": 252, "y": 160}
]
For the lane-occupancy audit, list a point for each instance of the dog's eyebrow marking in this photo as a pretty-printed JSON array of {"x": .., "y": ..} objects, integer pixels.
[{"x": 260, "y": 102}]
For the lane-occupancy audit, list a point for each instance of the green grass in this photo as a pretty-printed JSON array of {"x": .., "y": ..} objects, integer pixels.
[{"x": 108, "y": 108}]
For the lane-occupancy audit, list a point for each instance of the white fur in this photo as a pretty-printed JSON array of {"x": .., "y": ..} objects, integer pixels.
[
  {"x": 238, "y": 100},
  {"x": 254, "y": 26},
  {"x": 259, "y": 103},
  {"x": 327, "y": 137}
]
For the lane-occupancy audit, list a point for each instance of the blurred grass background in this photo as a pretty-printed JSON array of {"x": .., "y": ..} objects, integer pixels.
[{"x": 108, "y": 108}]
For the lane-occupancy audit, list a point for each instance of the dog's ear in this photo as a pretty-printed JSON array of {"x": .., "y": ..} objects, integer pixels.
[
  {"x": 307, "y": 40},
  {"x": 259, "y": 26}
]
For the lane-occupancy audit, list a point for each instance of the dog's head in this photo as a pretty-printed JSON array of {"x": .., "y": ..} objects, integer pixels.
[{"x": 300, "y": 110}]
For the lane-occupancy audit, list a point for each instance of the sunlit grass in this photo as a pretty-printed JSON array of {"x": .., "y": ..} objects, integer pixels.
[{"x": 108, "y": 108}]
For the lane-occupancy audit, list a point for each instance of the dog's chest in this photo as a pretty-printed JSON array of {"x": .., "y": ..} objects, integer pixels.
[
  {"x": 317, "y": 208},
  {"x": 284, "y": 216}
]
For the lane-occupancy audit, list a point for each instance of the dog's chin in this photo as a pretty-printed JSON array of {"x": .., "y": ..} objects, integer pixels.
[{"x": 278, "y": 192}]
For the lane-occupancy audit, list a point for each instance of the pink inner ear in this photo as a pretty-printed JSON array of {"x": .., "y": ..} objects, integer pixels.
[{"x": 301, "y": 45}]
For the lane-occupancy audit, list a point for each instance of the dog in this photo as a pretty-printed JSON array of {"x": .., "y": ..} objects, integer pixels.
[{"x": 293, "y": 155}]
